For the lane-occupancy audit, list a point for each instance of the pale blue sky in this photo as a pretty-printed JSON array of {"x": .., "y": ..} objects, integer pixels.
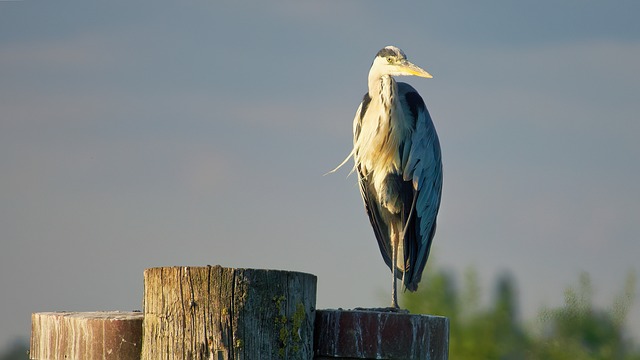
[{"x": 142, "y": 134}]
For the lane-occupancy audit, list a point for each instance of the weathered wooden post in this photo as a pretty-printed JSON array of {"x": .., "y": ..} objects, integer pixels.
[
  {"x": 223, "y": 313},
  {"x": 108, "y": 335},
  {"x": 369, "y": 334}
]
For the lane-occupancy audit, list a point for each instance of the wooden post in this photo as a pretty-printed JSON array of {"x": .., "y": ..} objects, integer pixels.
[
  {"x": 112, "y": 335},
  {"x": 222, "y": 313},
  {"x": 366, "y": 334}
]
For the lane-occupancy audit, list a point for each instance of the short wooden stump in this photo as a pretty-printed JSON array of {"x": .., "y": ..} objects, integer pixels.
[
  {"x": 109, "y": 335},
  {"x": 373, "y": 334}
]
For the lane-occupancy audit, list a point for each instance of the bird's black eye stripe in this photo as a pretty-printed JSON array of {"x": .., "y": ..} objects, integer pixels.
[{"x": 385, "y": 53}]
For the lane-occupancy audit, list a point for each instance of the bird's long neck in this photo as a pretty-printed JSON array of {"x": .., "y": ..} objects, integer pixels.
[
  {"x": 382, "y": 88},
  {"x": 382, "y": 130}
]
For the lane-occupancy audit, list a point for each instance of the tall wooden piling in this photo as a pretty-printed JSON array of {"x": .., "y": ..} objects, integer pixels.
[{"x": 223, "y": 313}]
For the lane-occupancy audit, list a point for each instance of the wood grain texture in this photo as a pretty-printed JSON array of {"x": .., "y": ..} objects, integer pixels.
[
  {"x": 108, "y": 335},
  {"x": 366, "y": 334},
  {"x": 224, "y": 313}
]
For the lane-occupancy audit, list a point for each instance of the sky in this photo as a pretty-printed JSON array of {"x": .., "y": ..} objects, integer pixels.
[{"x": 144, "y": 134}]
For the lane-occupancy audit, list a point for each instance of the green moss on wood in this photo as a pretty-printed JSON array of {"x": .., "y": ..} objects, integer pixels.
[{"x": 289, "y": 328}]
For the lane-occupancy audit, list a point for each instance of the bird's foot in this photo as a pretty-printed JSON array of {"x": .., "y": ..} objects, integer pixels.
[{"x": 385, "y": 309}]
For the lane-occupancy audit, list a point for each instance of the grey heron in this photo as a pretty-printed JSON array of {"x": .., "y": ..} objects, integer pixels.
[{"x": 396, "y": 153}]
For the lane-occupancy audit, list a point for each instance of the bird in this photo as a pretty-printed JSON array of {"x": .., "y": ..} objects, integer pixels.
[{"x": 398, "y": 160}]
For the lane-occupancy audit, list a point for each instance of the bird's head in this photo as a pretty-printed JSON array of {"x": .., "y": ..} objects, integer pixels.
[{"x": 392, "y": 61}]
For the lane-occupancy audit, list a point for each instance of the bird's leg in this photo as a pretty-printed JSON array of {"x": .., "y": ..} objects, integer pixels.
[
  {"x": 394, "y": 259},
  {"x": 405, "y": 227}
]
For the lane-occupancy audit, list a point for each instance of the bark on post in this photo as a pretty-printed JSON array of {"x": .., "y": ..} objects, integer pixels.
[
  {"x": 108, "y": 335},
  {"x": 367, "y": 334},
  {"x": 223, "y": 313}
]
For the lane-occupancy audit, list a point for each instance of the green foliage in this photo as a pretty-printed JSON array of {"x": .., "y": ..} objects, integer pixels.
[
  {"x": 580, "y": 330},
  {"x": 577, "y": 330}
]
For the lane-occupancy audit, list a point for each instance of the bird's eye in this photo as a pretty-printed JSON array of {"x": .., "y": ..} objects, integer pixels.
[{"x": 389, "y": 59}]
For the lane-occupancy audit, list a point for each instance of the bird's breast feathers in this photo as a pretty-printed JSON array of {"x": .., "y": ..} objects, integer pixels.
[{"x": 379, "y": 144}]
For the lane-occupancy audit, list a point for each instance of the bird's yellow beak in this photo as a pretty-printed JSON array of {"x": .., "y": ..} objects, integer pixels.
[{"x": 408, "y": 68}]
